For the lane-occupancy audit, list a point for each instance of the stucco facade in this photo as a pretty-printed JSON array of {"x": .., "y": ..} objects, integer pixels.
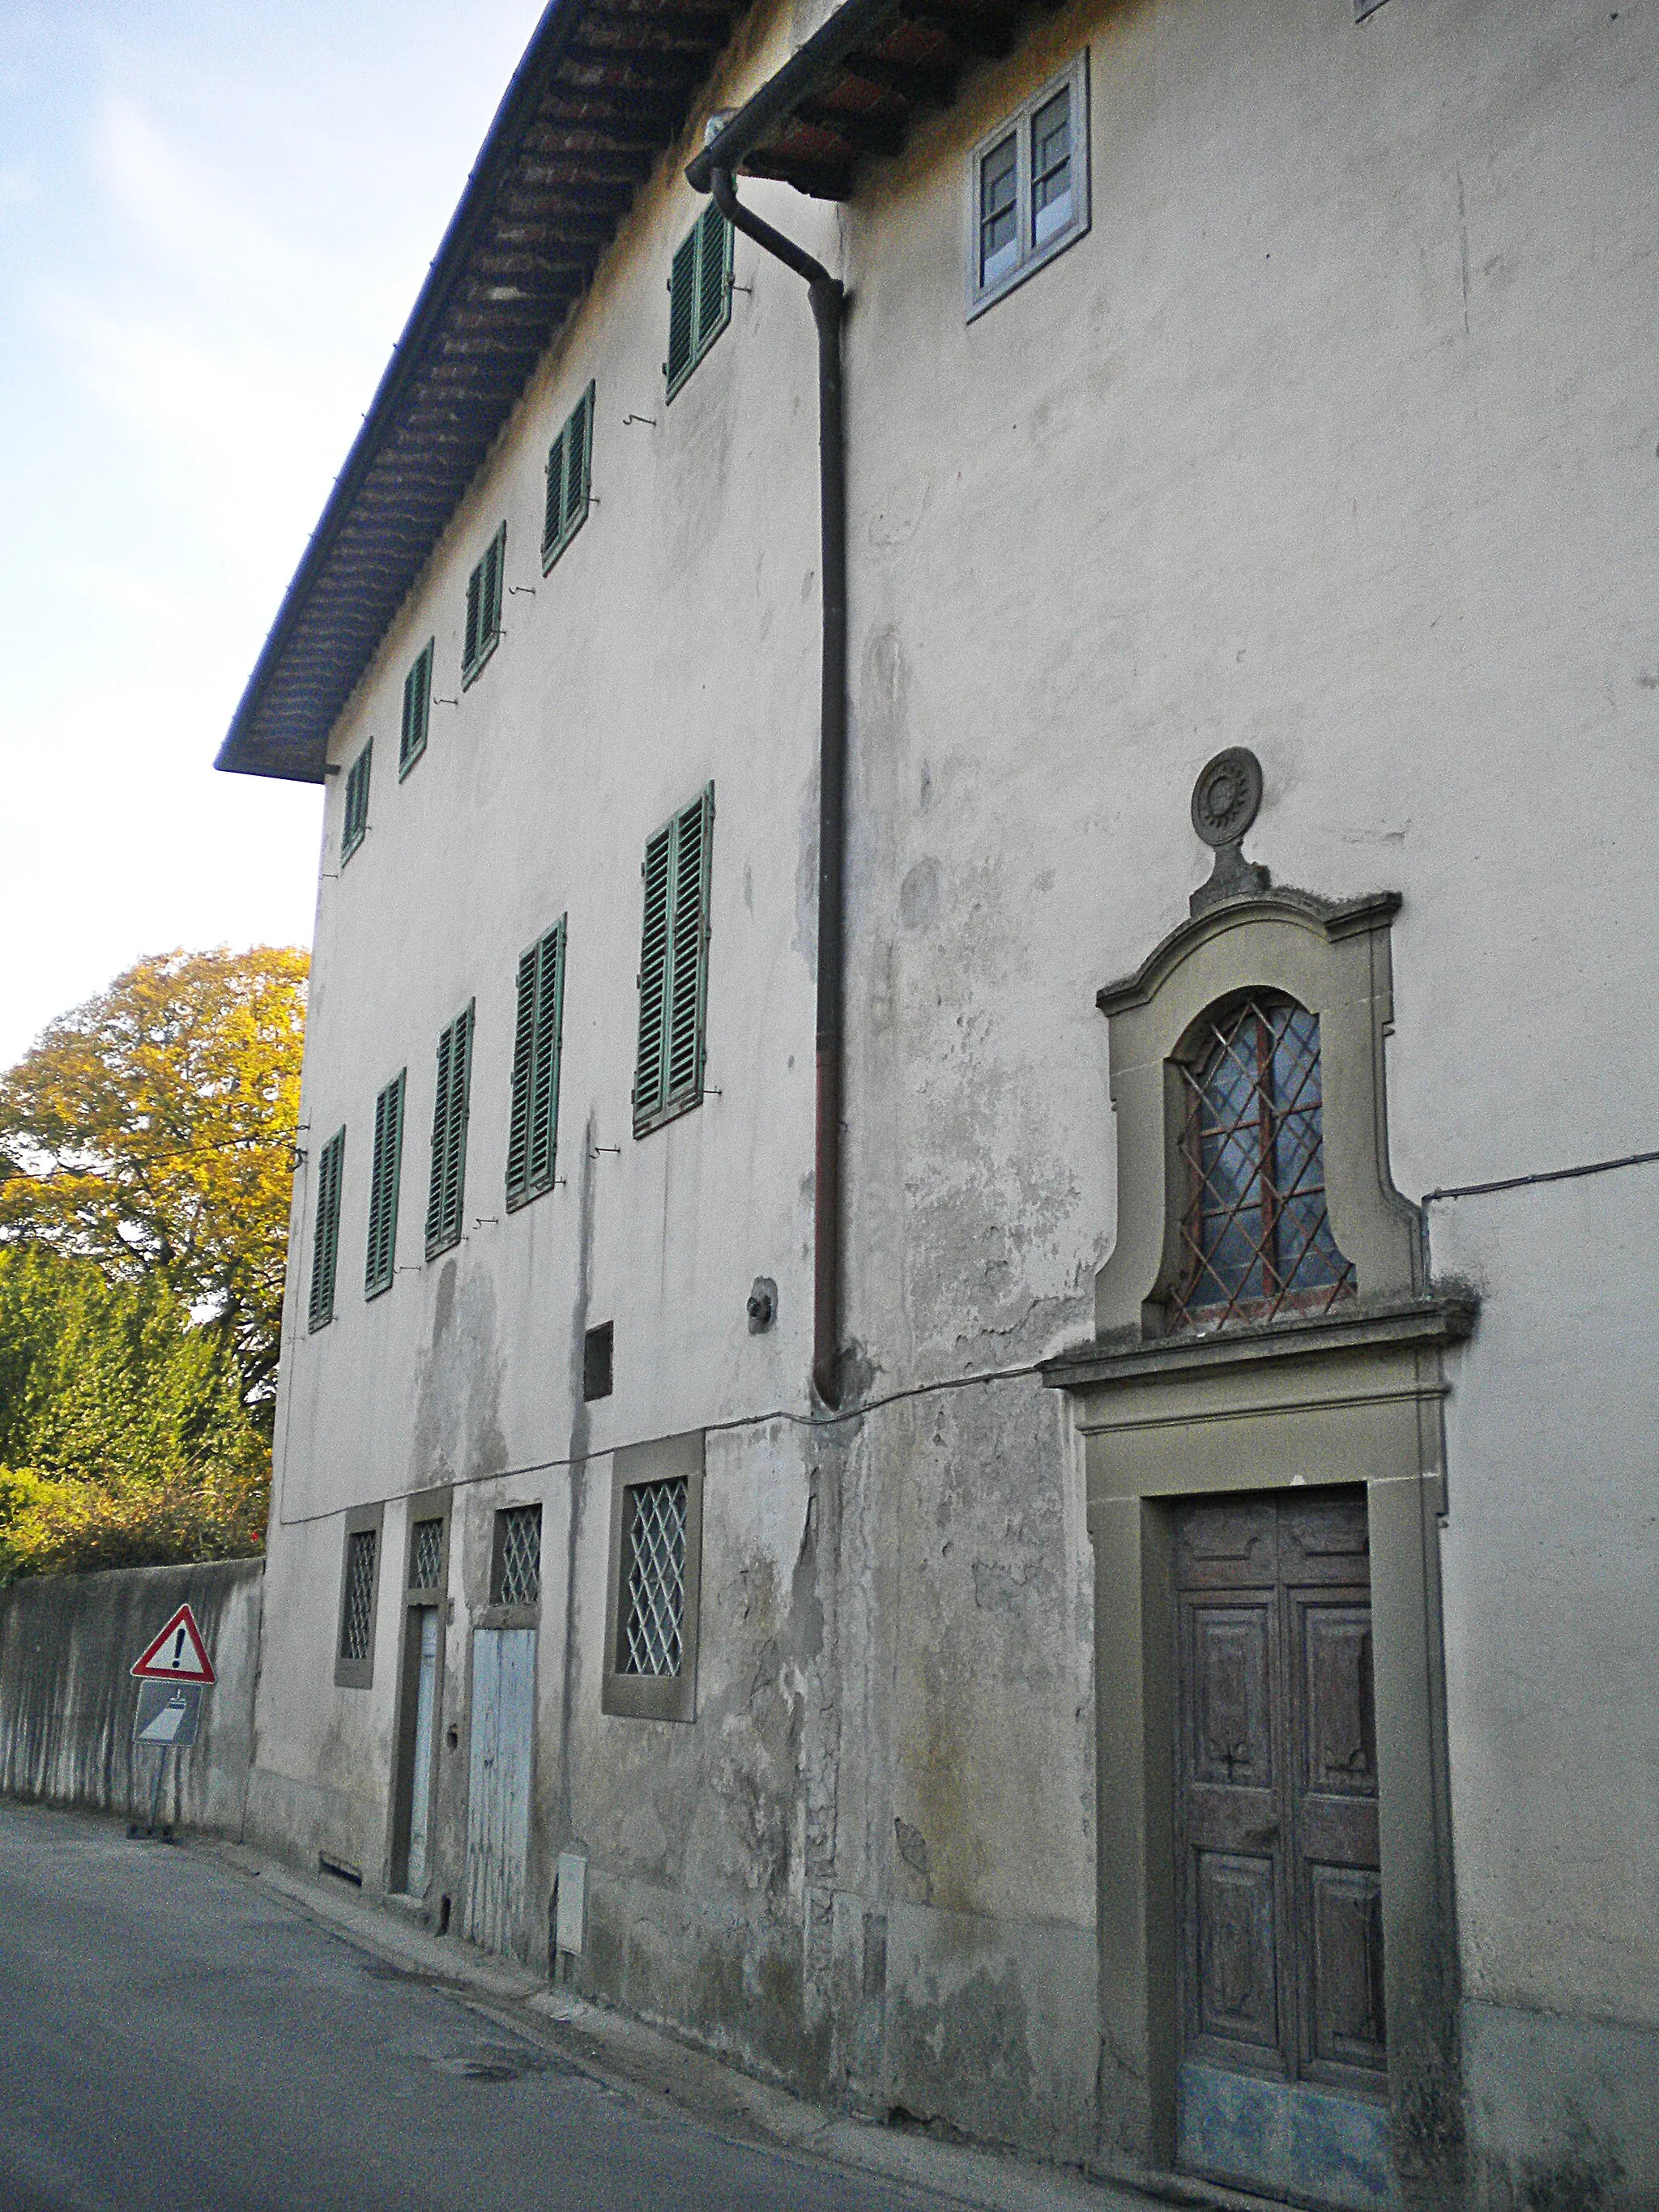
[{"x": 1334, "y": 435}]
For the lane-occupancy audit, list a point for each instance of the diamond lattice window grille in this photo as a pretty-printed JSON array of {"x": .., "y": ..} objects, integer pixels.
[
  {"x": 519, "y": 1556},
  {"x": 357, "y": 1629},
  {"x": 653, "y": 1590},
  {"x": 1255, "y": 1234},
  {"x": 427, "y": 1558}
]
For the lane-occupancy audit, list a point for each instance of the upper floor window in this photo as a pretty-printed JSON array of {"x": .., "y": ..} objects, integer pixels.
[
  {"x": 355, "y": 826},
  {"x": 484, "y": 608},
  {"x": 568, "y": 462},
  {"x": 325, "y": 1237},
  {"x": 533, "y": 1128},
  {"x": 447, "y": 1187},
  {"x": 1256, "y": 1237},
  {"x": 1030, "y": 188},
  {"x": 418, "y": 701},
  {"x": 699, "y": 294}
]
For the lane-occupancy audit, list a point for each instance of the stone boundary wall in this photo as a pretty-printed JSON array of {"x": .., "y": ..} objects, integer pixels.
[{"x": 67, "y": 1700}]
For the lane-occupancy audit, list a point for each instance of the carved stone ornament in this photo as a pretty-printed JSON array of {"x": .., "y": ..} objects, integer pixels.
[{"x": 1226, "y": 799}]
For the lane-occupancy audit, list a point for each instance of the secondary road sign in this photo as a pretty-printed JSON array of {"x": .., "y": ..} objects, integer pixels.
[
  {"x": 168, "y": 1715},
  {"x": 177, "y": 1655}
]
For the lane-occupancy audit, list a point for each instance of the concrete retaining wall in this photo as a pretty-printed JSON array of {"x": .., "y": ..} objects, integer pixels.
[{"x": 67, "y": 1698}]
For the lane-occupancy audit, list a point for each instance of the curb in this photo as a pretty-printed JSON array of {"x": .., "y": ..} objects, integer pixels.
[{"x": 681, "y": 2082}]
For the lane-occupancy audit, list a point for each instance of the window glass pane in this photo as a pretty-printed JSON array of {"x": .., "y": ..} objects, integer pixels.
[
  {"x": 1051, "y": 167},
  {"x": 999, "y": 228}
]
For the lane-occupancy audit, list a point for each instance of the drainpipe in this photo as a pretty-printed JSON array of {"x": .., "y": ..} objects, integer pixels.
[{"x": 828, "y": 306}]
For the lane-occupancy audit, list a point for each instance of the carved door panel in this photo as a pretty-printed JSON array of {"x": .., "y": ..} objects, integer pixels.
[{"x": 1279, "y": 1894}]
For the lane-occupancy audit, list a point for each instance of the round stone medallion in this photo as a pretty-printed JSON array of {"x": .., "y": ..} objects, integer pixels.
[{"x": 1227, "y": 796}]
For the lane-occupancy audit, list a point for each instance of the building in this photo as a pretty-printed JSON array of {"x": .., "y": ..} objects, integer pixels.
[{"x": 1086, "y": 1572}]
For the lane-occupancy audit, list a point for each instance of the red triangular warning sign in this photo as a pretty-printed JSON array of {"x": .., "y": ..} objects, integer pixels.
[{"x": 178, "y": 1654}]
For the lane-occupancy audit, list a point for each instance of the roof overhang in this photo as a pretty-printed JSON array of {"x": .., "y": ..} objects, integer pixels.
[
  {"x": 601, "y": 95},
  {"x": 854, "y": 89}
]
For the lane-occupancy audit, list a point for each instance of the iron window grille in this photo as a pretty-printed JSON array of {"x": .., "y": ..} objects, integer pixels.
[
  {"x": 356, "y": 827},
  {"x": 484, "y": 608},
  {"x": 699, "y": 294},
  {"x": 384, "y": 1177},
  {"x": 425, "y": 1558},
  {"x": 1255, "y": 1232},
  {"x": 653, "y": 1636},
  {"x": 357, "y": 1622},
  {"x": 569, "y": 459},
  {"x": 325, "y": 1237},
  {"x": 417, "y": 704},
  {"x": 1028, "y": 196},
  {"x": 518, "y": 1577}
]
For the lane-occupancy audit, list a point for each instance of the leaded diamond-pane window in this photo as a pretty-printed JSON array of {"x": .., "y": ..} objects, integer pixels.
[
  {"x": 653, "y": 1638},
  {"x": 357, "y": 1628},
  {"x": 427, "y": 1558},
  {"x": 1255, "y": 1232},
  {"x": 519, "y": 1556}
]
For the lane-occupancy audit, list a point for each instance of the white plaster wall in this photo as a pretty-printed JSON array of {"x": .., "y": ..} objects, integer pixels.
[{"x": 1336, "y": 436}]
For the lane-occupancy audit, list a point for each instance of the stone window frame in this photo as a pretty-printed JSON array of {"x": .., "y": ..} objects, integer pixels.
[
  {"x": 655, "y": 1697},
  {"x": 1352, "y": 1396},
  {"x": 359, "y": 1674},
  {"x": 1074, "y": 78}
]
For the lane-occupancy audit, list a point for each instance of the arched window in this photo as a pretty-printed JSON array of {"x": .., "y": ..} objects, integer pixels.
[{"x": 1256, "y": 1237}]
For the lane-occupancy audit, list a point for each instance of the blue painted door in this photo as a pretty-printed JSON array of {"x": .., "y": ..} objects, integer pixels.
[{"x": 499, "y": 1786}]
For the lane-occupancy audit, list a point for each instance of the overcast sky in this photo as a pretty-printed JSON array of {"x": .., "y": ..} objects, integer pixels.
[{"x": 215, "y": 216}]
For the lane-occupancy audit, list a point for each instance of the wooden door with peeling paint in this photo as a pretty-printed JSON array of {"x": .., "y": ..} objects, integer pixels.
[
  {"x": 1283, "y": 2075},
  {"x": 500, "y": 1779}
]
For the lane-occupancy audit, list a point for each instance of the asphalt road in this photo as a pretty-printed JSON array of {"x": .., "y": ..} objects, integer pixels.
[{"x": 180, "y": 2038}]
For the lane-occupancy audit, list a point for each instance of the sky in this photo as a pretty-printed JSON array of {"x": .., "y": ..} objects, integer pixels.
[{"x": 215, "y": 216}]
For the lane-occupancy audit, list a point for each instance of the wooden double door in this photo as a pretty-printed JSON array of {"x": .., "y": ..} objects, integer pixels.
[{"x": 1278, "y": 1903}]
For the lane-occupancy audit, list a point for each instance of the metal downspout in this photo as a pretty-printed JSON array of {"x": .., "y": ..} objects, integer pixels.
[{"x": 829, "y": 302}]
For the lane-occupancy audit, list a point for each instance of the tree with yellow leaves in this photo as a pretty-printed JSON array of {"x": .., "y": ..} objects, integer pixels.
[{"x": 151, "y": 1132}]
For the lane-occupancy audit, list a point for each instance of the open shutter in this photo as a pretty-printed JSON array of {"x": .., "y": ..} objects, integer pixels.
[
  {"x": 447, "y": 1183},
  {"x": 553, "y": 513},
  {"x": 417, "y": 700},
  {"x": 357, "y": 803},
  {"x": 714, "y": 261},
  {"x": 681, "y": 309},
  {"x": 325, "y": 1242},
  {"x": 474, "y": 610},
  {"x": 673, "y": 966},
  {"x": 690, "y": 939},
  {"x": 523, "y": 1049},
  {"x": 495, "y": 563},
  {"x": 650, "y": 1082},
  {"x": 545, "y": 1082},
  {"x": 384, "y": 1182}
]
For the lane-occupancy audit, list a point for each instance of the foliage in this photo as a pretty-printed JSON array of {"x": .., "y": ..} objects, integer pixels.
[
  {"x": 150, "y": 1131},
  {"x": 75, "y": 1526},
  {"x": 123, "y": 1437}
]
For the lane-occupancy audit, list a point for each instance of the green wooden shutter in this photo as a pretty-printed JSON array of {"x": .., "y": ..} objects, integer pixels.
[
  {"x": 532, "y": 1130},
  {"x": 495, "y": 562},
  {"x": 649, "y": 1072},
  {"x": 474, "y": 608},
  {"x": 713, "y": 269},
  {"x": 699, "y": 294},
  {"x": 326, "y": 1238},
  {"x": 445, "y": 1188},
  {"x": 674, "y": 966},
  {"x": 417, "y": 700},
  {"x": 385, "y": 1178},
  {"x": 545, "y": 1082},
  {"x": 356, "y": 803},
  {"x": 553, "y": 513},
  {"x": 523, "y": 1057}
]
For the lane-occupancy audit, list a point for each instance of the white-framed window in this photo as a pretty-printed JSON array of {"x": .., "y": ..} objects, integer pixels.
[{"x": 1028, "y": 188}]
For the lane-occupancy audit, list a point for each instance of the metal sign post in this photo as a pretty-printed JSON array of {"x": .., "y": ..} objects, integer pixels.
[{"x": 172, "y": 1672}]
